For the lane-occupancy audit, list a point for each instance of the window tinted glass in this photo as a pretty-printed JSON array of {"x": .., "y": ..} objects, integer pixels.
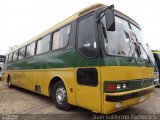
[
  {"x": 43, "y": 45},
  {"x": 10, "y": 57},
  {"x": 30, "y": 50},
  {"x": 61, "y": 37},
  {"x": 21, "y": 53},
  {"x": 86, "y": 37},
  {"x": 87, "y": 76},
  {"x": 15, "y": 55}
]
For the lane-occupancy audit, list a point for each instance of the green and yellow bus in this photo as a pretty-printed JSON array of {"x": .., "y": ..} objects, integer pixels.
[
  {"x": 95, "y": 59},
  {"x": 156, "y": 55}
]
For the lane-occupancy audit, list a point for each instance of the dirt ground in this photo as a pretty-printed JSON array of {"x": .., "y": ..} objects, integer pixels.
[{"x": 22, "y": 103}]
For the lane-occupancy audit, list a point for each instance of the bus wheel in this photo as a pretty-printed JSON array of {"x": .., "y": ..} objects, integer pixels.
[
  {"x": 59, "y": 95},
  {"x": 9, "y": 83}
]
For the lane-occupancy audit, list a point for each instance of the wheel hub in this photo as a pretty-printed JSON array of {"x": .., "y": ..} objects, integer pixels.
[{"x": 61, "y": 95}]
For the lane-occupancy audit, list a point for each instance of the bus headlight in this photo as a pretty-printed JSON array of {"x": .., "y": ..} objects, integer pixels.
[
  {"x": 118, "y": 86},
  {"x": 124, "y": 86},
  {"x": 113, "y": 87}
]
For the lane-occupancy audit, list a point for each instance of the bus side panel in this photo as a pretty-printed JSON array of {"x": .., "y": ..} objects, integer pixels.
[
  {"x": 66, "y": 74},
  {"x": 26, "y": 80}
]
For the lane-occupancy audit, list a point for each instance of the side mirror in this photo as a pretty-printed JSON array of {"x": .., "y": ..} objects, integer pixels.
[{"x": 110, "y": 18}]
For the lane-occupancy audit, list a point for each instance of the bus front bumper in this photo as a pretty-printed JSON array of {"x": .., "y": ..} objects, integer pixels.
[{"x": 117, "y": 101}]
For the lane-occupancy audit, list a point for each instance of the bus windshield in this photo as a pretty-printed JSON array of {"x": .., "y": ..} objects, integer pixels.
[{"x": 124, "y": 40}]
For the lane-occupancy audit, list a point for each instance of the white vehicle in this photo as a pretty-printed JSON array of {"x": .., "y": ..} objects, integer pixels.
[{"x": 2, "y": 59}]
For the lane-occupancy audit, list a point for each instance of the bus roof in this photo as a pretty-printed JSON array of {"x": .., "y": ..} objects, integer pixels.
[{"x": 70, "y": 19}]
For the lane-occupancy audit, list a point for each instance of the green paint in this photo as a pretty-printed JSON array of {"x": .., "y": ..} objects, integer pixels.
[{"x": 66, "y": 58}]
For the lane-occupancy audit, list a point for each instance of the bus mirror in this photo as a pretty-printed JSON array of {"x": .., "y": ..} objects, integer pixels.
[{"x": 110, "y": 18}]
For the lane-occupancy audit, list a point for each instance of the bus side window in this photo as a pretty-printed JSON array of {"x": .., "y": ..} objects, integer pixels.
[
  {"x": 15, "y": 55},
  {"x": 86, "y": 37},
  {"x": 21, "y": 53},
  {"x": 43, "y": 45},
  {"x": 30, "y": 50},
  {"x": 10, "y": 57},
  {"x": 6, "y": 60},
  {"x": 61, "y": 38}
]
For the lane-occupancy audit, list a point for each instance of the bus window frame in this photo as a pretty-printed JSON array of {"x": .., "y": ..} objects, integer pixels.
[
  {"x": 26, "y": 50},
  {"x": 93, "y": 13},
  {"x": 36, "y": 43},
  {"x": 52, "y": 34},
  {"x": 17, "y": 55},
  {"x": 9, "y": 61}
]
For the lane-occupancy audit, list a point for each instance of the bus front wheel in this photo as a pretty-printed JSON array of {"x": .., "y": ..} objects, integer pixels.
[{"x": 59, "y": 96}]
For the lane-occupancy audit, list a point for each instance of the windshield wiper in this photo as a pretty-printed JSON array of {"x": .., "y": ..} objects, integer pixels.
[
  {"x": 145, "y": 52},
  {"x": 104, "y": 31},
  {"x": 136, "y": 50}
]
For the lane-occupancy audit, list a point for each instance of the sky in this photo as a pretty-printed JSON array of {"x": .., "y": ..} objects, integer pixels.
[{"x": 21, "y": 20}]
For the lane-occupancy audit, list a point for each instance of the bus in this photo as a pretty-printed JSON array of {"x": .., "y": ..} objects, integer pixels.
[
  {"x": 2, "y": 60},
  {"x": 156, "y": 70},
  {"x": 95, "y": 59},
  {"x": 156, "y": 54}
]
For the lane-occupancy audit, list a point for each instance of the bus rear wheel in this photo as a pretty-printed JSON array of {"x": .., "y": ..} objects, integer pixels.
[
  {"x": 9, "y": 84},
  {"x": 59, "y": 96}
]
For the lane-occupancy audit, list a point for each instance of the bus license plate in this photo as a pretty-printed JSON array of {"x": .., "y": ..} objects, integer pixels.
[{"x": 142, "y": 98}]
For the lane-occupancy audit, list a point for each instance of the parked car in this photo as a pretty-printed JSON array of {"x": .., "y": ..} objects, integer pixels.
[{"x": 2, "y": 60}]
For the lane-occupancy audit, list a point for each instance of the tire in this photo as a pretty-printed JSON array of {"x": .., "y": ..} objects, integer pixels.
[
  {"x": 59, "y": 96},
  {"x": 9, "y": 83}
]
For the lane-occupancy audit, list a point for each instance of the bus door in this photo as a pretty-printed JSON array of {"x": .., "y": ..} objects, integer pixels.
[{"x": 87, "y": 65}]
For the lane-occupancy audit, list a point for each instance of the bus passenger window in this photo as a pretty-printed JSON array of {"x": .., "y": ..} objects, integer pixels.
[
  {"x": 56, "y": 41},
  {"x": 43, "y": 45},
  {"x": 30, "y": 50},
  {"x": 21, "y": 53},
  {"x": 86, "y": 37},
  {"x": 61, "y": 38},
  {"x": 10, "y": 57},
  {"x": 15, "y": 55}
]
